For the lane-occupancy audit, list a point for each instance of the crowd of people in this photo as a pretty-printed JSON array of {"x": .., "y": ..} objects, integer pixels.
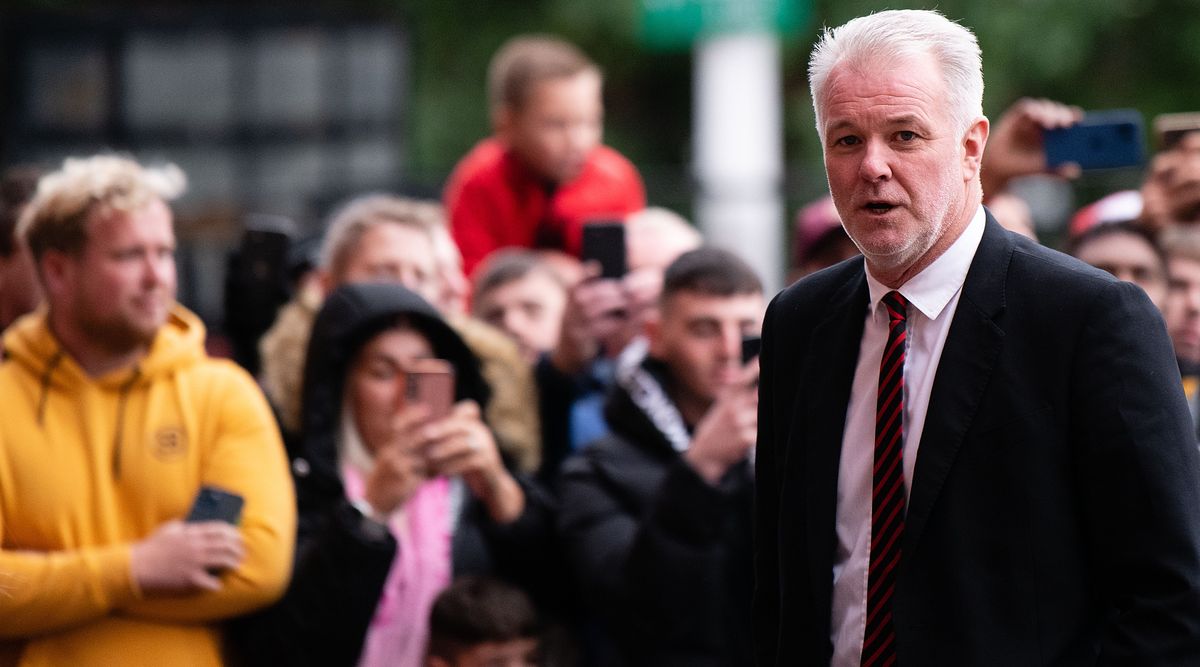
[{"x": 584, "y": 492}]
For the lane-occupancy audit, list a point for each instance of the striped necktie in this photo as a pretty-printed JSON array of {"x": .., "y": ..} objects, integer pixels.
[{"x": 887, "y": 492}]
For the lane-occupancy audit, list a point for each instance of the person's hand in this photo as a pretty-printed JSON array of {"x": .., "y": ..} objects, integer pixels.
[
  {"x": 1014, "y": 147},
  {"x": 1171, "y": 191},
  {"x": 596, "y": 309},
  {"x": 400, "y": 468},
  {"x": 727, "y": 432},
  {"x": 461, "y": 444},
  {"x": 642, "y": 288},
  {"x": 180, "y": 557}
]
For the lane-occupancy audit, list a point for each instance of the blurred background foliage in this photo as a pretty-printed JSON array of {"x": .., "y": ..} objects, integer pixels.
[
  {"x": 1094, "y": 53},
  {"x": 1097, "y": 54}
]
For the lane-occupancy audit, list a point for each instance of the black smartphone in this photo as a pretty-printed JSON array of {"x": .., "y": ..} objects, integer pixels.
[
  {"x": 751, "y": 346},
  {"x": 1102, "y": 140},
  {"x": 216, "y": 504},
  {"x": 604, "y": 242}
]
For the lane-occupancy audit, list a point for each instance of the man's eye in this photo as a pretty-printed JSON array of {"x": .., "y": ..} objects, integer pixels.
[
  {"x": 847, "y": 141},
  {"x": 906, "y": 135}
]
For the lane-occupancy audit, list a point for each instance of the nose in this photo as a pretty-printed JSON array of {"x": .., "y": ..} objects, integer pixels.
[
  {"x": 731, "y": 344},
  {"x": 582, "y": 135},
  {"x": 512, "y": 322},
  {"x": 1193, "y": 300},
  {"x": 875, "y": 165},
  {"x": 158, "y": 269}
]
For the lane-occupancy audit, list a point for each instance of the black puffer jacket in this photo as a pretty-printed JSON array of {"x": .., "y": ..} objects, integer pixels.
[
  {"x": 340, "y": 568},
  {"x": 663, "y": 558}
]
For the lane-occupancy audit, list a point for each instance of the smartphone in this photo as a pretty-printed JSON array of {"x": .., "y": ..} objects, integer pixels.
[
  {"x": 1169, "y": 128},
  {"x": 1102, "y": 140},
  {"x": 604, "y": 242},
  {"x": 751, "y": 346},
  {"x": 430, "y": 382},
  {"x": 216, "y": 504}
]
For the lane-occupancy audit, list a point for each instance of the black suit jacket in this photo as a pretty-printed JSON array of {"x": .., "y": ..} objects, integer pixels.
[{"x": 1054, "y": 515}]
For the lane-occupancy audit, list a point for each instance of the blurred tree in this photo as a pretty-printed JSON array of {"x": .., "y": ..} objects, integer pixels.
[{"x": 1093, "y": 53}]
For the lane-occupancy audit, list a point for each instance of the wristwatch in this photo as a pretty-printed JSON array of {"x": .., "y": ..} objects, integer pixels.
[{"x": 372, "y": 523}]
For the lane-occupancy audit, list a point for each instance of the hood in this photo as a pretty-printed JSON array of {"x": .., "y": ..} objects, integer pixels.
[
  {"x": 30, "y": 344},
  {"x": 350, "y": 317}
]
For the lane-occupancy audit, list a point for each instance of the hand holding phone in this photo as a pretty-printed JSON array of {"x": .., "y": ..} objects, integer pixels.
[
  {"x": 604, "y": 242},
  {"x": 216, "y": 504},
  {"x": 1101, "y": 140}
]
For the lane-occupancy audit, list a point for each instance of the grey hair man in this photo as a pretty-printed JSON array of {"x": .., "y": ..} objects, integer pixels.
[{"x": 972, "y": 450}]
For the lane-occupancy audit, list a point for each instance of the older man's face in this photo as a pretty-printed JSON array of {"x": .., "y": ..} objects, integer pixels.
[{"x": 897, "y": 166}]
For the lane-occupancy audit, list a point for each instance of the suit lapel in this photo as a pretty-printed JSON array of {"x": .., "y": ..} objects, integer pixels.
[
  {"x": 829, "y": 365},
  {"x": 968, "y": 358}
]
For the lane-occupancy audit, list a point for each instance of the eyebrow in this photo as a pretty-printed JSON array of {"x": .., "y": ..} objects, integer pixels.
[
  {"x": 907, "y": 119},
  {"x": 902, "y": 119}
]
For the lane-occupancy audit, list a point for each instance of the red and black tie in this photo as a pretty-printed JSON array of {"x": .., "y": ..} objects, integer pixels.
[{"x": 887, "y": 492}]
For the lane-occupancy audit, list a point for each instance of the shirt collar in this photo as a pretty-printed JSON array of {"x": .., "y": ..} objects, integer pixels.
[{"x": 930, "y": 290}]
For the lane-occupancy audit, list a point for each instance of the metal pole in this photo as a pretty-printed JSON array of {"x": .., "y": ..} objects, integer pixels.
[{"x": 739, "y": 149}]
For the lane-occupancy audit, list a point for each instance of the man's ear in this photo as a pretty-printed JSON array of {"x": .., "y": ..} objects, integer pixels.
[
  {"x": 653, "y": 329},
  {"x": 503, "y": 118},
  {"x": 973, "y": 143},
  {"x": 55, "y": 269}
]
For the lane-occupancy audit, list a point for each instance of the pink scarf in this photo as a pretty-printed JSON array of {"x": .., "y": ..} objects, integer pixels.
[{"x": 421, "y": 570}]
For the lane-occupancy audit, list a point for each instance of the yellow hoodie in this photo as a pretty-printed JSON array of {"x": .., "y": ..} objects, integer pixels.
[{"x": 89, "y": 466}]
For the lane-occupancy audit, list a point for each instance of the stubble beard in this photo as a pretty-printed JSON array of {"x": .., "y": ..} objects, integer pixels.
[
  {"x": 897, "y": 259},
  {"x": 119, "y": 333}
]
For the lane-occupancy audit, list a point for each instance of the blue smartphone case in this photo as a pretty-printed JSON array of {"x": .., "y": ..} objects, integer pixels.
[{"x": 1102, "y": 140}]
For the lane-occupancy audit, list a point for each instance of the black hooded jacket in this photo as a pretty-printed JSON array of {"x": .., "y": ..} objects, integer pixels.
[
  {"x": 663, "y": 558},
  {"x": 341, "y": 565}
]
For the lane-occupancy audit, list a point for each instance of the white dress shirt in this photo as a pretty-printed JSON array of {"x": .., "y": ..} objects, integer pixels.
[{"x": 932, "y": 295}]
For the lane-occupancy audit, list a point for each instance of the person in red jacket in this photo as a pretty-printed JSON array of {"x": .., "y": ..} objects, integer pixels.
[{"x": 543, "y": 172}]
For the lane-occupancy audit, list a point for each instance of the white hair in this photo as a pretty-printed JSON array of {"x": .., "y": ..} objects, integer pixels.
[
  {"x": 897, "y": 35},
  {"x": 351, "y": 221}
]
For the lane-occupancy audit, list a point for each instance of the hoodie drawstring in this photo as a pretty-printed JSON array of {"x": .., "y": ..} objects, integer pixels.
[
  {"x": 45, "y": 385},
  {"x": 117, "y": 437}
]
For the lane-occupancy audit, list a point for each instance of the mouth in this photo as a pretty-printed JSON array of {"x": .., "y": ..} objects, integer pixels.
[
  {"x": 727, "y": 375},
  {"x": 878, "y": 206}
]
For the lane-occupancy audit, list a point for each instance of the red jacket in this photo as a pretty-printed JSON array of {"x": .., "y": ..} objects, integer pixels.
[{"x": 494, "y": 201}]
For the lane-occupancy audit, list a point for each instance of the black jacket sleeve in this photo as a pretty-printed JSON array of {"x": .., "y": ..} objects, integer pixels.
[
  {"x": 658, "y": 572},
  {"x": 322, "y": 619},
  {"x": 557, "y": 392},
  {"x": 1140, "y": 482}
]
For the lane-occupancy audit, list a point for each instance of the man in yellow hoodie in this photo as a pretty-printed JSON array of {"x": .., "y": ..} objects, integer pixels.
[{"x": 112, "y": 418}]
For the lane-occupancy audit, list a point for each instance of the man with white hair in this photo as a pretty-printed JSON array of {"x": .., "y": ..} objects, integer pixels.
[
  {"x": 114, "y": 422},
  {"x": 972, "y": 450}
]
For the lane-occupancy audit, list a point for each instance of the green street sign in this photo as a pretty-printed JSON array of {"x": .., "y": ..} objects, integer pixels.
[{"x": 674, "y": 24}]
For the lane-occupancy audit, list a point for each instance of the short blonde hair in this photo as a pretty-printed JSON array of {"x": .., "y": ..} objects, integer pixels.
[
  {"x": 56, "y": 218},
  {"x": 360, "y": 214}
]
